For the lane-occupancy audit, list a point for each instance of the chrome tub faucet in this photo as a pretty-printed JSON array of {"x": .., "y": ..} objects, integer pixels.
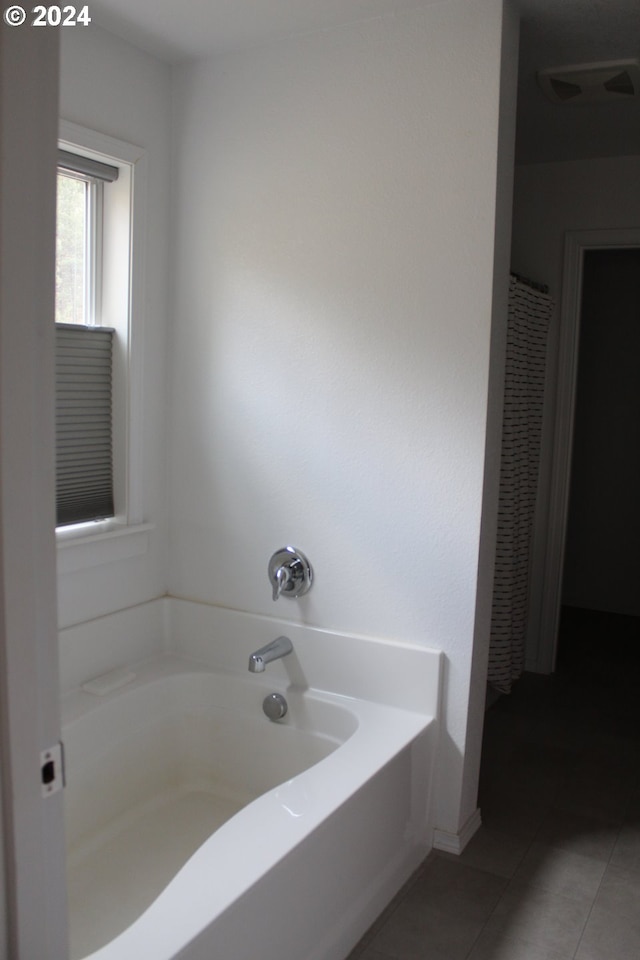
[{"x": 278, "y": 648}]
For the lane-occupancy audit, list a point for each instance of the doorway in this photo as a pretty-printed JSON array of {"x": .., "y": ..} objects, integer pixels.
[
  {"x": 601, "y": 573},
  {"x": 589, "y": 278}
]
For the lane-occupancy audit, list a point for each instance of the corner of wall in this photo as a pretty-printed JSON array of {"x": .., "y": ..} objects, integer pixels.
[{"x": 501, "y": 266}]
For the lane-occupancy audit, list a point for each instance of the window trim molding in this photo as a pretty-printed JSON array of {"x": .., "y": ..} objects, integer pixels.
[
  {"x": 130, "y": 509},
  {"x": 109, "y": 545}
]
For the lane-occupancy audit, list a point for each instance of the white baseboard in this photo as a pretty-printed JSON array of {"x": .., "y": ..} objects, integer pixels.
[{"x": 456, "y": 842}]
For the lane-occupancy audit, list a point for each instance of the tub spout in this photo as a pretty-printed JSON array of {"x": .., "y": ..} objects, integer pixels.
[{"x": 278, "y": 648}]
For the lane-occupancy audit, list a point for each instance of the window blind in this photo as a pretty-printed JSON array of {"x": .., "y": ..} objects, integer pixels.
[
  {"x": 87, "y": 166},
  {"x": 84, "y": 474}
]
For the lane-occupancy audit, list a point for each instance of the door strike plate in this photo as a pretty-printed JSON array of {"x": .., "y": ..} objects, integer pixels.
[{"x": 51, "y": 770}]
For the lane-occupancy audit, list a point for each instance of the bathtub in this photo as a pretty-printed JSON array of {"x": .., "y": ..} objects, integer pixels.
[{"x": 199, "y": 829}]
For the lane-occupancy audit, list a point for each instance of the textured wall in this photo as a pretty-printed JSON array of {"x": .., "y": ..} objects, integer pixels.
[{"x": 335, "y": 213}]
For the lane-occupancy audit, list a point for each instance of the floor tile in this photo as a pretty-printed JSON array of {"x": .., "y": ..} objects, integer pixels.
[
  {"x": 370, "y": 954},
  {"x": 633, "y": 810},
  {"x": 500, "y": 947},
  {"x": 422, "y": 932},
  {"x": 502, "y": 736},
  {"x": 457, "y": 890},
  {"x": 494, "y": 852},
  {"x": 562, "y": 872},
  {"x": 608, "y": 760},
  {"x": 598, "y": 799},
  {"x": 363, "y": 947},
  {"x": 626, "y": 852},
  {"x": 619, "y": 893},
  {"x": 535, "y": 785},
  {"x": 541, "y": 917},
  {"x": 556, "y": 759},
  {"x": 609, "y": 936},
  {"x": 578, "y": 834},
  {"x": 517, "y": 817}
]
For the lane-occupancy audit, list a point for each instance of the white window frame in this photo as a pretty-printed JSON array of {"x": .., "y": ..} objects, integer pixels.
[{"x": 122, "y": 297}]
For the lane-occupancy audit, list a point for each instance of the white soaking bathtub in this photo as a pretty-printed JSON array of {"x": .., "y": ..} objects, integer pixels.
[{"x": 199, "y": 829}]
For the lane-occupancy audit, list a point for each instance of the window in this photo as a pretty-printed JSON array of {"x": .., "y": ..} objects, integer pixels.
[
  {"x": 100, "y": 312},
  {"x": 73, "y": 208},
  {"x": 84, "y": 348}
]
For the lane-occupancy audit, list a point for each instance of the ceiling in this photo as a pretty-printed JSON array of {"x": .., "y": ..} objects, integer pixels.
[
  {"x": 178, "y": 30},
  {"x": 564, "y": 32},
  {"x": 553, "y": 33}
]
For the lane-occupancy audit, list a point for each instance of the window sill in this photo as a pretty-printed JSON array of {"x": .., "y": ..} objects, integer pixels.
[{"x": 80, "y": 549}]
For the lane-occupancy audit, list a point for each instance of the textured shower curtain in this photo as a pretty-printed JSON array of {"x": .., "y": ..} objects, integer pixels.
[{"x": 528, "y": 321}]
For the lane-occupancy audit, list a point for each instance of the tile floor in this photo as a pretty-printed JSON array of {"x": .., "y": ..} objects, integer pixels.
[{"x": 554, "y": 871}]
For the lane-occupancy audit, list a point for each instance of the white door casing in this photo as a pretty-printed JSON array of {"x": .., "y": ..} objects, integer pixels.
[{"x": 35, "y": 921}]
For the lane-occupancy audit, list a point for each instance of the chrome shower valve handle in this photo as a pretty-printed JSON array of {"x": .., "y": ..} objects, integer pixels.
[
  {"x": 290, "y": 573},
  {"x": 280, "y": 580}
]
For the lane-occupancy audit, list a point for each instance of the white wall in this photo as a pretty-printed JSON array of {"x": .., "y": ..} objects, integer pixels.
[
  {"x": 112, "y": 87},
  {"x": 550, "y": 199},
  {"x": 334, "y": 211}
]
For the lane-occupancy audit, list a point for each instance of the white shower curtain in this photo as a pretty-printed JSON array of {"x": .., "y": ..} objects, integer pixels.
[{"x": 530, "y": 310}]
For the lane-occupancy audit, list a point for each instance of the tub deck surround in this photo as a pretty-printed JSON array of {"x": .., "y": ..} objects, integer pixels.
[
  {"x": 295, "y": 833},
  {"x": 90, "y": 649},
  {"x": 384, "y": 671}
]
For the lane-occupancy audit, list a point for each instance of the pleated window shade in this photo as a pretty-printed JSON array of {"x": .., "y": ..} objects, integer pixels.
[
  {"x": 84, "y": 460},
  {"x": 87, "y": 166}
]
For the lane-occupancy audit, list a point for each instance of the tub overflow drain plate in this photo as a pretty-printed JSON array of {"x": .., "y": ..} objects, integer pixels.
[{"x": 275, "y": 706}]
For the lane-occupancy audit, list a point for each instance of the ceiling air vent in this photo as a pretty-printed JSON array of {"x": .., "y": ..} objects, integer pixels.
[{"x": 592, "y": 82}]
